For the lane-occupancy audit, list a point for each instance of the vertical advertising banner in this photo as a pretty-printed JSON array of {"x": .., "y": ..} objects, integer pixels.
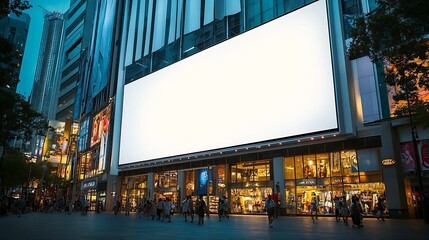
[
  {"x": 407, "y": 157},
  {"x": 55, "y": 142},
  {"x": 424, "y": 154},
  {"x": 99, "y": 134},
  {"x": 203, "y": 178}
]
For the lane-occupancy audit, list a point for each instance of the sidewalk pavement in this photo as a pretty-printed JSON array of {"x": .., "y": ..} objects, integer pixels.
[{"x": 107, "y": 226}]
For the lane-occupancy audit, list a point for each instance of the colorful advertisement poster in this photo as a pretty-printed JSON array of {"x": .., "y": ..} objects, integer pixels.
[
  {"x": 407, "y": 157},
  {"x": 424, "y": 154},
  {"x": 55, "y": 143},
  {"x": 100, "y": 130},
  {"x": 203, "y": 178}
]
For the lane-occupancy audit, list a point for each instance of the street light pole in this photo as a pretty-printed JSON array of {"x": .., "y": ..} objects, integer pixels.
[{"x": 417, "y": 161}]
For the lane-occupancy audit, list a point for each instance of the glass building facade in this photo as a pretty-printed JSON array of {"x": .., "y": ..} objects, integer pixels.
[{"x": 163, "y": 32}]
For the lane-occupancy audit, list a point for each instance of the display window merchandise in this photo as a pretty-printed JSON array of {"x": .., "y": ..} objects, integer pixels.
[
  {"x": 134, "y": 191},
  {"x": 321, "y": 178}
]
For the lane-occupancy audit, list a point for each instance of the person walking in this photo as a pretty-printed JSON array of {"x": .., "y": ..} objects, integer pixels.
[
  {"x": 160, "y": 209},
  {"x": 186, "y": 207},
  {"x": 356, "y": 212},
  {"x": 380, "y": 205},
  {"x": 20, "y": 206},
  {"x": 344, "y": 211},
  {"x": 337, "y": 209},
  {"x": 201, "y": 210},
  {"x": 220, "y": 209},
  {"x": 168, "y": 209},
  {"x": 313, "y": 206},
  {"x": 270, "y": 206}
]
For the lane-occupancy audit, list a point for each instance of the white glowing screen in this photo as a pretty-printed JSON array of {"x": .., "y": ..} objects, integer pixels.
[{"x": 272, "y": 82}]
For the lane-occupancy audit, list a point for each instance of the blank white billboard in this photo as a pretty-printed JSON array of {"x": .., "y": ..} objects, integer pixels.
[{"x": 272, "y": 82}]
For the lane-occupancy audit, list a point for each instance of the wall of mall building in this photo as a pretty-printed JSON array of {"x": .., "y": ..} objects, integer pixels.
[{"x": 361, "y": 129}]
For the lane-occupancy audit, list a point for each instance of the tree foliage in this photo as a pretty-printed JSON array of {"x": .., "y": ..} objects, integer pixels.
[
  {"x": 14, "y": 6},
  {"x": 396, "y": 33}
]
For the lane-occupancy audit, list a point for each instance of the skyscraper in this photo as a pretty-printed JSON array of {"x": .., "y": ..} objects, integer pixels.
[
  {"x": 44, "y": 78},
  {"x": 15, "y": 29}
]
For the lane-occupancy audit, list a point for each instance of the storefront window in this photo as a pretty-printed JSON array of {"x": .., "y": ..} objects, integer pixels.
[
  {"x": 323, "y": 168},
  {"x": 251, "y": 171},
  {"x": 349, "y": 163},
  {"x": 189, "y": 182},
  {"x": 249, "y": 200},
  {"x": 330, "y": 175},
  {"x": 221, "y": 182},
  {"x": 299, "y": 167},
  {"x": 166, "y": 179},
  {"x": 309, "y": 162},
  {"x": 335, "y": 164},
  {"x": 135, "y": 190},
  {"x": 290, "y": 197},
  {"x": 289, "y": 168}
]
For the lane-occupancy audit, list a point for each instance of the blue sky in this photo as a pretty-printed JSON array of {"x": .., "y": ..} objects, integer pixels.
[{"x": 33, "y": 40}]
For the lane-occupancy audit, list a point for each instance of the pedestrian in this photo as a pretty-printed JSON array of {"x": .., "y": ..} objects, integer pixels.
[
  {"x": 191, "y": 209},
  {"x": 344, "y": 210},
  {"x": 160, "y": 209},
  {"x": 380, "y": 205},
  {"x": 220, "y": 209},
  {"x": 21, "y": 206},
  {"x": 186, "y": 207},
  {"x": 201, "y": 210},
  {"x": 140, "y": 209},
  {"x": 313, "y": 206},
  {"x": 117, "y": 207},
  {"x": 168, "y": 209},
  {"x": 127, "y": 207},
  {"x": 356, "y": 212},
  {"x": 70, "y": 204},
  {"x": 337, "y": 209},
  {"x": 270, "y": 206}
]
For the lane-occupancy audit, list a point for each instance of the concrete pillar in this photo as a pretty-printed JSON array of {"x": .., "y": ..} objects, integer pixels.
[
  {"x": 150, "y": 186},
  {"x": 393, "y": 176},
  {"x": 278, "y": 176},
  {"x": 181, "y": 184}
]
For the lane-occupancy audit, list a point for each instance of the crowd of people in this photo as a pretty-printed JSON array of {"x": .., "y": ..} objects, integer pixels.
[{"x": 163, "y": 208}]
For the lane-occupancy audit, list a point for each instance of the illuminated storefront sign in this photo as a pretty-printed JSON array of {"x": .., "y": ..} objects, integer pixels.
[{"x": 89, "y": 184}]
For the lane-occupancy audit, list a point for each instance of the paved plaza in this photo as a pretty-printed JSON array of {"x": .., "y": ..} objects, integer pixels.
[{"x": 108, "y": 226}]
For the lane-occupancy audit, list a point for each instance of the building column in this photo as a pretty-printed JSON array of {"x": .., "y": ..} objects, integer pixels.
[
  {"x": 181, "y": 185},
  {"x": 278, "y": 177},
  {"x": 150, "y": 185},
  {"x": 393, "y": 176}
]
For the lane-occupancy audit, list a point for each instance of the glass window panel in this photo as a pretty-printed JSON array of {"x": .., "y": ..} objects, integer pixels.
[
  {"x": 234, "y": 173},
  {"x": 148, "y": 28},
  {"x": 253, "y": 13},
  {"x": 140, "y": 30},
  {"x": 299, "y": 167},
  {"x": 131, "y": 33},
  {"x": 289, "y": 168},
  {"x": 369, "y": 160},
  {"x": 349, "y": 163},
  {"x": 267, "y": 10},
  {"x": 309, "y": 162},
  {"x": 335, "y": 164},
  {"x": 160, "y": 25},
  {"x": 192, "y": 16},
  {"x": 323, "y": 168},
  {"x": 209, "y": 9}
]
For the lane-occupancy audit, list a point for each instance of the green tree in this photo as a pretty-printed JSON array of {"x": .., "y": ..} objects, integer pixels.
[
  {"x": 15, "y": 6},
  {"x": 395, "y": 34}
]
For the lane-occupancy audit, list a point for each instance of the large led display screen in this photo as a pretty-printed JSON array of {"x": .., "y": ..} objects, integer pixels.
[{"x": 272, "y": 82}]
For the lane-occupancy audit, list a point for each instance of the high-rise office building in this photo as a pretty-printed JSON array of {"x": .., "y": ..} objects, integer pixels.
[
  {"x": 44, "y": 78},
  {"x": 15, "y": 29}
]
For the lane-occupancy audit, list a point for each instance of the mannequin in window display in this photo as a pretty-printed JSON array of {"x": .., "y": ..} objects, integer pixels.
[
  {"x": 322, "y": 170},
  {"x": 308, "y": 171}
]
